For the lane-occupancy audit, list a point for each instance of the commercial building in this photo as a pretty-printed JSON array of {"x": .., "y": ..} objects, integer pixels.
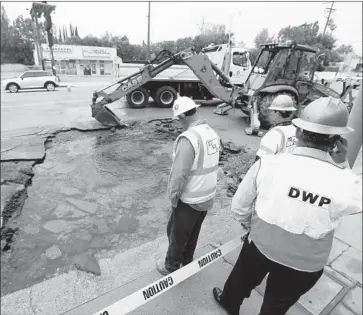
[{"x": 79, "y": 60}]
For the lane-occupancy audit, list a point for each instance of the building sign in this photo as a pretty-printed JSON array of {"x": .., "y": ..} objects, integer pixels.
[
  {"x": 58, "y": 48},
  {"x": 95, "y": 52}
]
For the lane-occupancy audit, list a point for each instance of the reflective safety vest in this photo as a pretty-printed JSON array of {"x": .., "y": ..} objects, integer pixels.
[
  {"x": 202, "y": 183},
  {"x": 299, "y": 203},
  {"x": 280, "y": 139}
]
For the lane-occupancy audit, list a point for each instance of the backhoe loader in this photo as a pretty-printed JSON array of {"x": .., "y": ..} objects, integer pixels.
[
  {"x": 279, "y": 69},
  {"x": 201, "y": 66}
]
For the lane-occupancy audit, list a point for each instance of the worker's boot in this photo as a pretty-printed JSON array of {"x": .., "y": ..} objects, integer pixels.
[
  {"x": 160, "y": 266},
  {"x": 217, "y": 292}
]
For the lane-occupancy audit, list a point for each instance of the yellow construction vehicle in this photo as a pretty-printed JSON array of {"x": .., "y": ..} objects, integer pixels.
[{"x": 210, "y": 76}]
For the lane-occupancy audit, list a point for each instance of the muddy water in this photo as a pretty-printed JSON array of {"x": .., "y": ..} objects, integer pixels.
[{"x": 94, "y": 193}]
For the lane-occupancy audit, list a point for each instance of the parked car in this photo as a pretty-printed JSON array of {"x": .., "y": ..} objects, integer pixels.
[{"x": 35, "y": 79}]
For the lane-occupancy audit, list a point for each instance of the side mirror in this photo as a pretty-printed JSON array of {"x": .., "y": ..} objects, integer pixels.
[{"x": 320, "y": 57}]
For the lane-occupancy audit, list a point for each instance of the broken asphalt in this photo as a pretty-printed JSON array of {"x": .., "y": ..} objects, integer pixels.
[{"x": 339, "y": 291}]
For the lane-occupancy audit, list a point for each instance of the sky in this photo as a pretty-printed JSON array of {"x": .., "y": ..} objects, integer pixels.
[{"x": 173, "y": 20}]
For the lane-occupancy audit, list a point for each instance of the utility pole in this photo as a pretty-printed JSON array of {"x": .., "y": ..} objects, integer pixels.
[
  {"x": 330, "y": 10},
  {"x": 148, "y": 34},
  {"x": 355, "y": 121}
]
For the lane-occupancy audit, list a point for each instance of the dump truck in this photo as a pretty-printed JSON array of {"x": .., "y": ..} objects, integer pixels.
[
  {"x": 140, "y": 84},
  {"x": 179, "y": 78}
]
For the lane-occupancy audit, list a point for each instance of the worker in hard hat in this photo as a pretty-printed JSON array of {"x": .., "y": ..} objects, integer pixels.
[
  {"x": 192, "y": 184},
  {"x": 282, "y": 137},
  {"x": 291, "y": 204}
]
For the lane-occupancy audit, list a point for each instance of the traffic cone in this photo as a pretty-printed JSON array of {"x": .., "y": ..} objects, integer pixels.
[{"x": 69, "y": 88}]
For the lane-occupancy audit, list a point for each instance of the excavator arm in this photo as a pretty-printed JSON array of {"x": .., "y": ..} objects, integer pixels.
[{"x": 200, "y": 64}]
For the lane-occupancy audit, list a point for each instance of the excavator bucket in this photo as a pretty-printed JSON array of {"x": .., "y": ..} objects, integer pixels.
[{"x": 105, "y": 116}]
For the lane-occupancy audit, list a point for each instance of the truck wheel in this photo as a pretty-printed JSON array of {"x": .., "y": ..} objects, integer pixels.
[
  {"x": 165, "y": 96},
  {"x": 138, "y": 98},
  {"x": 266, "y": 116}
]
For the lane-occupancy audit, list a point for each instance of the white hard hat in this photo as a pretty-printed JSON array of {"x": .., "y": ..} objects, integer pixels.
[
  {"x": 326, "y": 115},
  {"x": 282, "y": 103},
  {"x": 183, "y": 104}
]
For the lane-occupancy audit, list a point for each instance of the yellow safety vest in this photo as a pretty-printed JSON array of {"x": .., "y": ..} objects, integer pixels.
[
  {"x": 202, "y": 183},
  {"x": 280, "y": 139}
]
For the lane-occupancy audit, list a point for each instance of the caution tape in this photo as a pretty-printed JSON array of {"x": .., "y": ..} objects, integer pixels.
[{"x": 160, "y": 286}]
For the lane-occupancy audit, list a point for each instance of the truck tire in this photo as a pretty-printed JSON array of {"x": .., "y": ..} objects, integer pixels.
[
  {"x": 138, "y": 98},
  {"x": 165, "y": 96},
  {"x": 265, "y": 116}
]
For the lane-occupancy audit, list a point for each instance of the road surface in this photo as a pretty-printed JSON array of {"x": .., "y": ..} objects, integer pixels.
[{"x": 29, "y": 109}]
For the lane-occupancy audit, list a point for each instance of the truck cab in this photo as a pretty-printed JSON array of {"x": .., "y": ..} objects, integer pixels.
[{"x": 233, "y": 61}]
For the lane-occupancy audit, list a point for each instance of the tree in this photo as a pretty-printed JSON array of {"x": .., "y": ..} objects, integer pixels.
[
  {"x": 345, "y": 49},
  {"x": 305, "y": 34},
  {"x": 24, "y": 28},
  {"x": 17, "y": 39},
  {"x": 263, "y": 37},
  {"x": 253, "y": 54},
  {"x": 183, "y": 43},
  {"x": 210, "y": 34},
  {"x": 308, "y": 34},
  {"x": 71, "y": 29},
  {"x": 76, "y": 32},
  {"x": 5, "y": 35}
]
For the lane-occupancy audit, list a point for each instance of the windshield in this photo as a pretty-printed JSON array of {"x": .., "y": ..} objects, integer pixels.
[
  {"x": 240, "y": 59},
  {"x": 307, "y": 65},
  {"x": 291, "y": 65},
  {"x": 262, "y": 63}
]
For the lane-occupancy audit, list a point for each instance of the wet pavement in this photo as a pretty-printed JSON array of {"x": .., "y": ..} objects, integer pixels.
[{"x": 95, "y": 193}]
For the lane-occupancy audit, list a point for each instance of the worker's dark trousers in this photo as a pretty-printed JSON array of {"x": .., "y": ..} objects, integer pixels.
[
  {"x": 283, "y": 288},
  {"x": 183, "y": 231}
]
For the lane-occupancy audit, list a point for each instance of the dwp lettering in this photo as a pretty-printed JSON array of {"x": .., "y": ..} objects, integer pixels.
[{"x": 308, "y": 197}]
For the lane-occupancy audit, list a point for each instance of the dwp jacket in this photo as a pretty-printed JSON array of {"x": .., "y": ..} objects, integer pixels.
[{"x": 293, "y": 202}]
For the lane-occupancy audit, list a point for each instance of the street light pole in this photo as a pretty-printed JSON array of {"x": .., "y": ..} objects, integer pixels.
[
  {"x": 38, "y": 9},
  {"x": 148, "y": 34},
  {"x": 230, "y": 27},
  {"x": 38, "y": 41}
]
